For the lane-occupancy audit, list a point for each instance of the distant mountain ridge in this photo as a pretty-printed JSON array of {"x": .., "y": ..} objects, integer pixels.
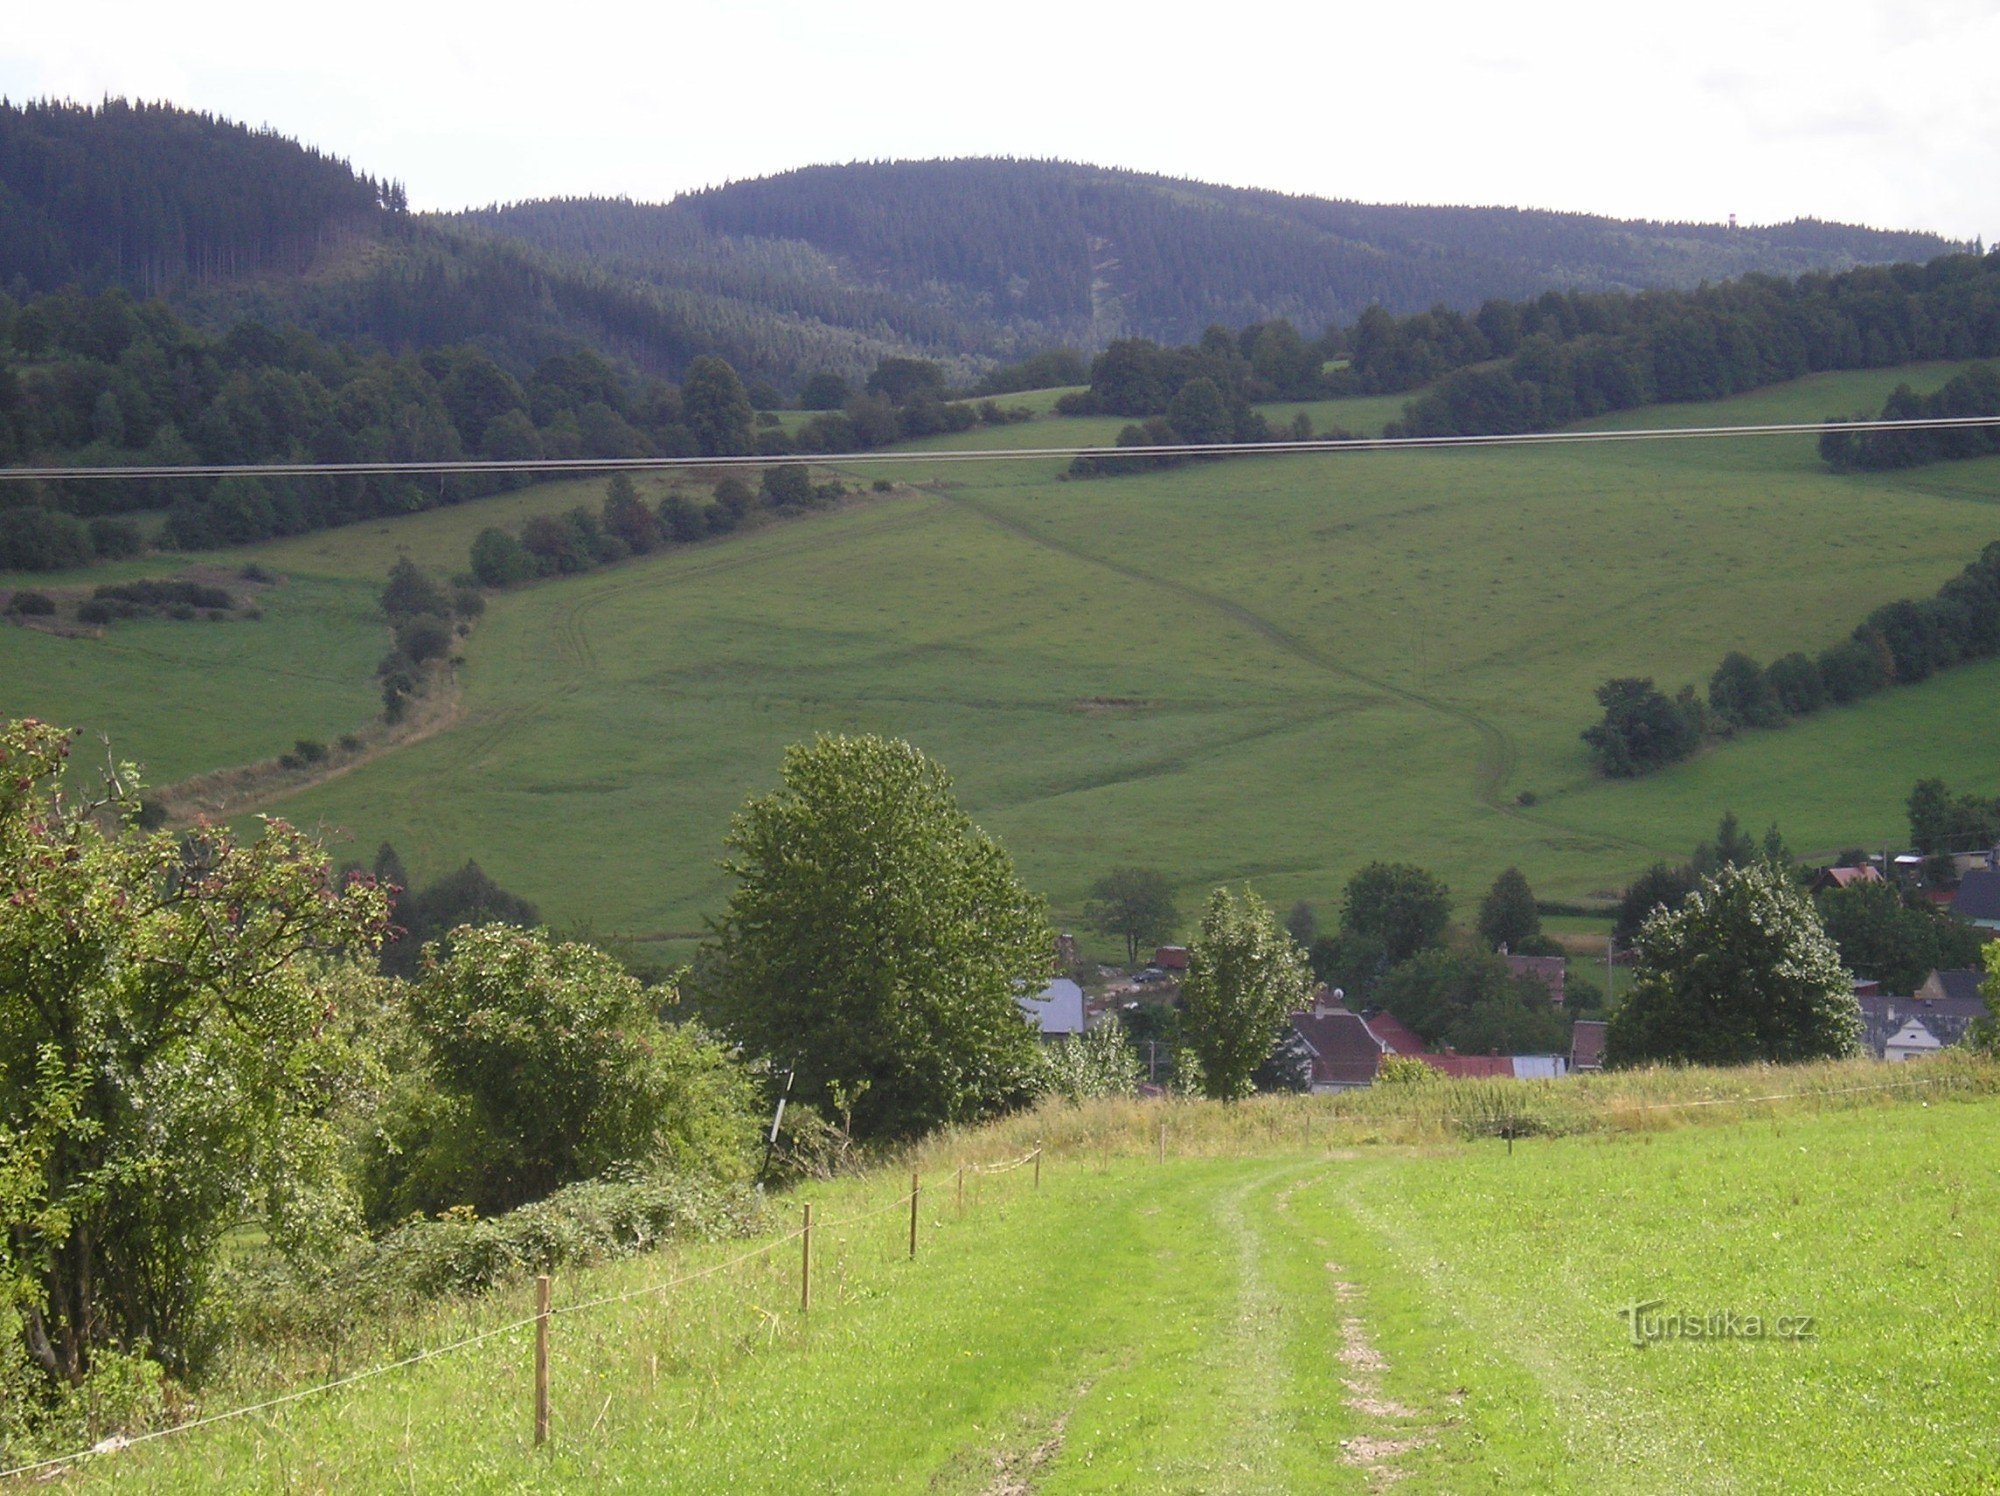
[
  {"x": 1022, "y": 254},
  {"x": 822, "y": 268}
]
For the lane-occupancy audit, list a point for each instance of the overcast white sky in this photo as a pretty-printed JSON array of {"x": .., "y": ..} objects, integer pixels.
[{"x": 1860, "y": 110}]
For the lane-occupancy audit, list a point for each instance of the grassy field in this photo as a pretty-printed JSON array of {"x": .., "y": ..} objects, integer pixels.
[
  {"x": 1270, "y": 669},
  {"x": 1276, "y": 1306}
]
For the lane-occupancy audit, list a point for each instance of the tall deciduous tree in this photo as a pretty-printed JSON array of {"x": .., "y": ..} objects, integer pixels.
[
  {"x": 1743, "y": 971},
  {"x": 1402, "y": 907},
  {"x": 716, "y": 409},
  {"x": 1245, "y": 975},
  {"x": 167, "y": 1059},
  {"x": 878, "y": 939},
  {"x": 1507, "y": 915},
  {"x": 1135, "y": 902}
]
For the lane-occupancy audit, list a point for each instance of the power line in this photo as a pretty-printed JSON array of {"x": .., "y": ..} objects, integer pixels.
[{"x": 584, "y": 466}]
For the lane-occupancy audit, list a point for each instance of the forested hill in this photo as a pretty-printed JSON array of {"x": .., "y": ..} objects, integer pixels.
[
  {"x": 153, "y": 197},
  {"x": 1023, "y": 254},
  {"x": 826, "y": 269}
]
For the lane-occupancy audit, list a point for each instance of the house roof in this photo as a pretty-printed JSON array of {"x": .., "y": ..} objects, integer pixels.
[
  {"x": 1979, "y": 895},
  {"x": 1958, "y": 985},
  {"x": 1946, "y": 1018},
  {"x": 1342, "y": 1051},
  {"x": 1396, "y": 1036},
  {"x": 1472, "y": 1066},
  {"x": 1586, "y": 1044},
  {"x": 1171, "y": 958},
  {"x": 1551, "y": 971},
  {"x": 1843, "y": 877}
]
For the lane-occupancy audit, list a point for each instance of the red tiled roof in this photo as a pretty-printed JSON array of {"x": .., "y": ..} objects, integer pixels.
[
  {"x": 1586, "y": 1045},
  {"x": 1171, "y": 958},
  {"x": 1842, "y": 877},
  {"x": 1396, "y": 1036},
  {"x": 1551, "y": 971},
  {"x": 1342, "y": 1049}
]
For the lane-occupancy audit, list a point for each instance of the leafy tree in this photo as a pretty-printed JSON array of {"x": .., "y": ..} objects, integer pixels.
[
  {"x": 1797, "y": 683},
  {"x": 878, "y": 937},
  {"x": 1742, "y": 972},
  {"x": 1732, "y": 847},
  {"x": 1135, "y": 902},
  {"x": 1742, "y": 695},
  {"x": 430, "y": 914},
  {"x": 1943, "y": 822},
  {"x": 716, "y": 409},
  {"x": 682, "y": 518},
  {"x": 1472, "y": 1002},
  {"x": 167, "y": 1059},
  {"x": 627, "y": 517},
  {"x": 1896, "y": 943},
  {"x": 903, "y": 380},
  {"x": 1641, "y": 731},
  {"x": 564, "y": 1068},
  {"x": 1507, "y": 915},
  {"x": 823, "y": 391},
  {"x": 789, "y": 485},
  {"x": 733, "y": 501},
  {"x": 1403, "y": 907},
  {"x": 1199, "y": 413},
  {"x": 1245, "y": 977}
]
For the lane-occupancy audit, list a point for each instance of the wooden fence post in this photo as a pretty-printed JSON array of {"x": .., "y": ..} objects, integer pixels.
[
  {"x": 961, "y": 1189},
  {"x": 916, "y": 1188},
  {"x": 806, "y": 1264},
  {"x": 541, "y": 1360},
  {"x": 1163, "y": 1142},
  {"x": 1038, "y": 1163}
]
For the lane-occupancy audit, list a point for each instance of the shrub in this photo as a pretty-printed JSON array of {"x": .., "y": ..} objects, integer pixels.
[
  {"x": 32, "y": 604},
  {"x": 33, "y": 538},
  {"x": 423, "y": 638},
  {"x": 94, "y": 612},
  {"x": 499, "y": 560},
  {"x": 1091, "y": 1065},
  {"x": 1401, "y": 1070},
  {"x": 561, "y": 1062},
  {"x": 115, "y": 538}
]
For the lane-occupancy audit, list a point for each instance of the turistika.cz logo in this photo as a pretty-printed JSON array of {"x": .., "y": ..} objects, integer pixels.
[{"x": 1647, "y": 1327}]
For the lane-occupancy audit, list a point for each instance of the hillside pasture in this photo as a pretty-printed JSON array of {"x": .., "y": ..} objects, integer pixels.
[{"x": 1268, "y": 669}]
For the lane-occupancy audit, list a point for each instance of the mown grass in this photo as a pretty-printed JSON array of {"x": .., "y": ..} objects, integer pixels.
[
  {"x": 1264, "y": 669},
  {"x": 1269, "y": 1309}
]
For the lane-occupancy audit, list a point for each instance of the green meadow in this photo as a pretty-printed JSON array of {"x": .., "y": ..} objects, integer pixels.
[
  {"x": 1277, "y": 1303},
  {"x": 1266, "y": 669}
]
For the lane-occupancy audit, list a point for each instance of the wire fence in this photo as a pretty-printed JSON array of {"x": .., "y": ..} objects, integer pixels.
[
  {"x": 1494, "y": 1123},
  {"x": 540, "y": 1321}
]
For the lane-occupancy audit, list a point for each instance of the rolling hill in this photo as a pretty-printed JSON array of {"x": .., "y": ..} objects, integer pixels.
[
  {"x": 1268, "y": 669},
  {"x": 828, "y": 267},
  {"x": 1018, "y": 255}
]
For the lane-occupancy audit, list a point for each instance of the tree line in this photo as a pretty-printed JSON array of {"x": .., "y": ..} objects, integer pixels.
[
  {"x": 1899, "y": 643},
  {"x": 1973, "y": 391}
]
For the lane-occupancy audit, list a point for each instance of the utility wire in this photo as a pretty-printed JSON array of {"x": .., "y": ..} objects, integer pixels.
[{"x": 559, "y": 467}]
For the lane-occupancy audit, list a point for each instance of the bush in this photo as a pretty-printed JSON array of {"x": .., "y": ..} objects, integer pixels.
[
  {"x": 33, "y": 538},
  {"x": 115, "y": 538},
  {"x": 423, "y": 638},
  {"x": 95, "y": 612},
  {"x": 560, "y": 1061},
  {"x": 1095, "y": 1064},
  {"x": 32, "y": 604},
  {"x": 499, "y": 560},
  {"x": 1401, "y": 1070}
]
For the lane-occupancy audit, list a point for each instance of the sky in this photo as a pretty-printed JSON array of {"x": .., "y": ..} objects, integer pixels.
[{"x": 1860, "y": 111}]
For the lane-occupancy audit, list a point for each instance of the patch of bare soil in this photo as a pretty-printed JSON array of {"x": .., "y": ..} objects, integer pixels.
[
  {"x": 1099, "y": 705},
  {"x": 1375, "y": 1454},
  {"x": 1014, "y": 1470}
]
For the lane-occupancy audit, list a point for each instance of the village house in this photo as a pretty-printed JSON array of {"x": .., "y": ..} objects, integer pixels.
[
  {"x": 1937, "y": 1017},
  {"x": 1978, "y": 899},
  {"x": 1846, "y": 877},
  {"x": 1551, "y": 971}
]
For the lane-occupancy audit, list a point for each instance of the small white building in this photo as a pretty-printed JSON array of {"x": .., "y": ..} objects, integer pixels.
[
  {"x": 1057, "y": 1010},
  {"x": 1910, "y": 1042}
]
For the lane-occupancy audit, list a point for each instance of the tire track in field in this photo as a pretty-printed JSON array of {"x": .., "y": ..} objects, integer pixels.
[{"x": 1499, "y": 754}]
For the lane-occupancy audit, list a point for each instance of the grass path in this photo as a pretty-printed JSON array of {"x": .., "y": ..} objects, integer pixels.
[{"x": 1419, "y": 1318}]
